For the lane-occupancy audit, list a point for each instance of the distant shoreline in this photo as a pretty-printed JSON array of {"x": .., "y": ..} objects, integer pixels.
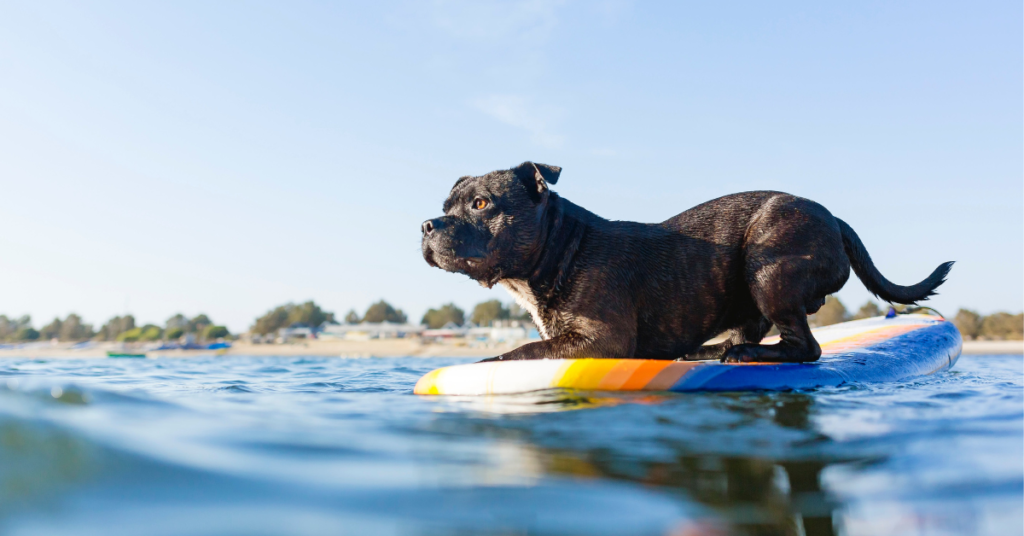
[
  {"x": 313, "y": 348},
  {"x": 351, "y": 349}
]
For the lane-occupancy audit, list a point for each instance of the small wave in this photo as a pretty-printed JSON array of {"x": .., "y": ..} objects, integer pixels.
[{"x": 238, "y": 388}]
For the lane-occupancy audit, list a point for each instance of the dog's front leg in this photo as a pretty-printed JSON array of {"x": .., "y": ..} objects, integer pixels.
[
  {"x": 568, "y": 346},
  {"x": 565, "y": 346}
]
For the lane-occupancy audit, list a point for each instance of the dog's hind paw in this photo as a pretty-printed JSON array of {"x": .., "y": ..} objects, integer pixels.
[{"x": 773, "y": 353}]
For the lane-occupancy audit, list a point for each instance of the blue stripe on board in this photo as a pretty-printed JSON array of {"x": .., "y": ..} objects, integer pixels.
[{"x": 916, "y": 353}]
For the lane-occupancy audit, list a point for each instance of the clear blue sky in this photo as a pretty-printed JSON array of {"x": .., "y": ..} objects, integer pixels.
[{"x": 227, "y": 157}]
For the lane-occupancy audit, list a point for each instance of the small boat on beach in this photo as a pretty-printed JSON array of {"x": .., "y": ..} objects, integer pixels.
[{"x": 125, "y": 355}]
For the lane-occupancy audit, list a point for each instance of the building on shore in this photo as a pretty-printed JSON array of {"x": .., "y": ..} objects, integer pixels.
[
  {"x": 447, "y": 332},
  {"x": 366, "y": 331},
  {"x": 499, "y": 332},
  {"x": 503, "y": 331},
  {"x": 296, "y": 331}
]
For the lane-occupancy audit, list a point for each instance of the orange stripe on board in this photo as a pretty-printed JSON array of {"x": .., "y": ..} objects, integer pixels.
[
  {"x": 643, "y": 375},
  {"x": 620, "y": 374}
]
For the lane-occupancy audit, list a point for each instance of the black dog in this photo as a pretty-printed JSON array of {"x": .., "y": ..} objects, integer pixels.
[{"x": 600, "y": 288}]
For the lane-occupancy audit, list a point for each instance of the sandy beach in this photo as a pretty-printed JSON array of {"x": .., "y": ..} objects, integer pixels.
[{"x": 993, "y": 347}]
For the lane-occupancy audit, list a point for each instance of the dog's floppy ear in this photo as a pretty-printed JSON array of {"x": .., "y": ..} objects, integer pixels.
[{"x": 536, "y": 178}]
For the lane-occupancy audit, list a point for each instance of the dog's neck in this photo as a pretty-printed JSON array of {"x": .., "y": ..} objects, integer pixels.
[
  {"x": 552, "y": 268},
  {"x": 564, "y": 232}
]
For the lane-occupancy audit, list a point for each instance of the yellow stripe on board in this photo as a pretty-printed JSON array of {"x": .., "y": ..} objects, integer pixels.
[
  {"x": 428, "y": 384},
  {"x": 556, "y": 380},
  {"x": 585, "y": 373}
]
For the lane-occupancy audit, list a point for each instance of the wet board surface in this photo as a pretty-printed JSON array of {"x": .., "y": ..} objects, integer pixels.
[{"x": 862, "y": 351}]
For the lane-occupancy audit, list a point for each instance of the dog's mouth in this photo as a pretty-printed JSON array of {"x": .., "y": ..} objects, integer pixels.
[
  {"x": 428, "y": 255},
  {"x": 472, "y": 266},
  {"x": 476, "y": 267}
]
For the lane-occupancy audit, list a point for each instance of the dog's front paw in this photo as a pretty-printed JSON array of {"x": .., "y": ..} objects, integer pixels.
[{"x": 490, "y": 359}]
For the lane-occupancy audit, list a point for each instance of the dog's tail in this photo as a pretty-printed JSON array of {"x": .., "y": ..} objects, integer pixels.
[{"x": 877, "y": 283}]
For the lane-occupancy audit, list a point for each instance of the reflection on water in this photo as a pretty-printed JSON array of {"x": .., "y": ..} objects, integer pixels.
[
  {"x": 333, "y": 446},
  {"x": 758, "y": 495}
]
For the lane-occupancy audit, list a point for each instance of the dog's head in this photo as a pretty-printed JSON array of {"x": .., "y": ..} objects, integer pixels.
[{"x": 493, "y": 224}]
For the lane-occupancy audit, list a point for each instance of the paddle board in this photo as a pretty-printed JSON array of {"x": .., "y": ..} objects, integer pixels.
[{"x": 861, "y": 351}]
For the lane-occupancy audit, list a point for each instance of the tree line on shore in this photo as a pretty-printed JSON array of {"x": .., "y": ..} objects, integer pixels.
[
  {"x": 996, "y": 326},
  {"x": 972, "y": 325},
  {"x": 484, "y": 314},
  {"x": 119, "y": 328},
  {"x": 310, "y": 314}
]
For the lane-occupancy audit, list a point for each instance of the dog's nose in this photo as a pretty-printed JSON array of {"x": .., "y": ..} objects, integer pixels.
[{"x": 427, "y": 227}]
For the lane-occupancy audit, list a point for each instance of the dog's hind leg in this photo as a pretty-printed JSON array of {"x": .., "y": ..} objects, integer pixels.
[
  {"x": 793, "y": 259},
  {"x": 784, "y": 290}
]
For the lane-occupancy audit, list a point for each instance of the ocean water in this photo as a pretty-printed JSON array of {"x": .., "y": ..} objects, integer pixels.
[{"x": 310, "y": 446}]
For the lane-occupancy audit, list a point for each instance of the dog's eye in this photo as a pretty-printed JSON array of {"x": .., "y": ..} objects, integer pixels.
[{"x": 480, "y": 204}]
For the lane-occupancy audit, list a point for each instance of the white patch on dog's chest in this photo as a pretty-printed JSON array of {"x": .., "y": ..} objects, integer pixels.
[{"x": 520, "y": 290}]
